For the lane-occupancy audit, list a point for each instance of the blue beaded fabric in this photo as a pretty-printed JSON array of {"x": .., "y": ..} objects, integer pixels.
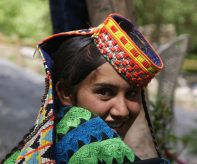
[
  {"x": 87, "y": 131},
  {"x": 85, "y": 138}
]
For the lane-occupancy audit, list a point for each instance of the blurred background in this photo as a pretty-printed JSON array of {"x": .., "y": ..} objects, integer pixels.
[{"x": 169, "y": 25}]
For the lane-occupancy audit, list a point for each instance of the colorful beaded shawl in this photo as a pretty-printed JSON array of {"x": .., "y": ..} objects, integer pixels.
[{"x": 67, "y": 139}]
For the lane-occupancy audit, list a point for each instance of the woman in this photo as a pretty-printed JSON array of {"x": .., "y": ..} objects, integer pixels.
[{"x": 94, "y": 83}]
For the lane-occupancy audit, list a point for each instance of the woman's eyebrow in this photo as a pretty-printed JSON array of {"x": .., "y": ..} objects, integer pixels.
[
  {"x": 106, "y": 85},
  {"x": 114, "y": 86}
]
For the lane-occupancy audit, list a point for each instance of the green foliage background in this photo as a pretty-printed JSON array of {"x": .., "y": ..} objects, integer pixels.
[
  {"x": 30, "y": 20},
  {"x": 24, "y": 20},
  {"x": 178, "y": 12}
]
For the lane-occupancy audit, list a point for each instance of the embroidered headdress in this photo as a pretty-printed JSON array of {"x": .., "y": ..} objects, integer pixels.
[
  {"x": 122, "y": 45},
  {"x": 127, "y": 50}
]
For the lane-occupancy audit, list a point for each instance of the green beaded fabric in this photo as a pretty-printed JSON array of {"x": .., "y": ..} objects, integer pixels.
[
  {"x": 72, "y": 119},
  {"x": 12, "y": 158},
  {"x": 82, "y": 137},
  {"x": 107, "y": 151}
]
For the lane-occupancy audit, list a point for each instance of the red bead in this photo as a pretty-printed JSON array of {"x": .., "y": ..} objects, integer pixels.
[
  {"x": 131, "y": 62},
  {"x": 96, "y": 41},
  {"x": 109, "y": 37},
  {"x": 129, "y": 68},
  {"x": 123, "y": 40},
  {"x": 103, "y": 30},
  {"x": 104, "y": 52},
  {"x": 118, "y": 49},
  {"x": 110, "y": 56},
  {"x": 136, "y": 67},
  {"x": 135, "y": 74},
  {"x": 134, "y": 52},
  {"x": 114, "y": 43},
  {"x": 113, "y": 28},
  {"x": 124, "y": 62},
  {"x": 118, "y": 56},
  {"x": 125, "y": 55},
  {"x": 128, "y": 75},
  {"x": 141, "y": 72},
  {"x": 145, "y": 63},
  {"x": 123, "y": 70},
  {"x": 100, "y": 45},
  {"x": 117, "y": 62},
  {"x": 112, "y": 49},
  {"x": 100, "y": 35},
  {"x": 103, "y": 39},
  {"x": 106, "y": 44}
]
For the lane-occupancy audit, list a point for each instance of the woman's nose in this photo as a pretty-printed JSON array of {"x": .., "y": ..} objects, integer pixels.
[{"x": 119, "y": 107}]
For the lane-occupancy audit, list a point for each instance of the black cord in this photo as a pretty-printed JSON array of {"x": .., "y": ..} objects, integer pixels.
[{"x": 149, "y": 123}]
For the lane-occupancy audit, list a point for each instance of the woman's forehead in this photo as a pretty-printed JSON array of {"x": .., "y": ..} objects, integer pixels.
[{"x": 106, "y": 74}]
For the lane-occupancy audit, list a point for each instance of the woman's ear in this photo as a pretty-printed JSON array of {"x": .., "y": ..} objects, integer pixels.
[{"x": 63, "y": 94}]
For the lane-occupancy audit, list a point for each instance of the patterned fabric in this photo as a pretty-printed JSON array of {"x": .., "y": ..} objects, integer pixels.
[
  {"x": 130, "y": 54},
  {"x": 84, "y": 138},
  {"x": 38, "y": 144}
]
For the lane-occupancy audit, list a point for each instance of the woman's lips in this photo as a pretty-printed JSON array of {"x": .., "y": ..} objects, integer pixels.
[{"x": 117, "y": 126}]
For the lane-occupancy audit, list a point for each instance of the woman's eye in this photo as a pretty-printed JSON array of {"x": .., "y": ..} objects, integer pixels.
[
  {"x": 132, "y": 94},
  {"x": 105, "y": 93}
]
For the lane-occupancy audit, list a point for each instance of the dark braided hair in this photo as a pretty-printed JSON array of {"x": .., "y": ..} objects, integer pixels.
[
  {"x": 149, "y": 123},
  {"x": 45, "y": 90},
  {"x": 76, "y": 57}
]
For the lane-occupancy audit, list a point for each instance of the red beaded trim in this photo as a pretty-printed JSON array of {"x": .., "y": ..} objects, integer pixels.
[{"x": 120, "y": 60}]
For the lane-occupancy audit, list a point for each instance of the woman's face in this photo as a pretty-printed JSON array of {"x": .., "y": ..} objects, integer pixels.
[{"x": 105, "y": 93}]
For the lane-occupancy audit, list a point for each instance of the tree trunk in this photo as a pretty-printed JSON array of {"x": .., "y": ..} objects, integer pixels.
[{"x": 99, "y": 10}]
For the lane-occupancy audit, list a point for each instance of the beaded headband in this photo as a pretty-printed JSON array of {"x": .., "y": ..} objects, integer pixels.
[
  {"x": 122, "y": 45},
  {"x": 127, "y": 50}
]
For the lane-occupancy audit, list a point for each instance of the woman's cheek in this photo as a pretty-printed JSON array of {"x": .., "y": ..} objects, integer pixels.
[
  {"x": 99, "y": 108},
  {"x": 94, "y": 105}
]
